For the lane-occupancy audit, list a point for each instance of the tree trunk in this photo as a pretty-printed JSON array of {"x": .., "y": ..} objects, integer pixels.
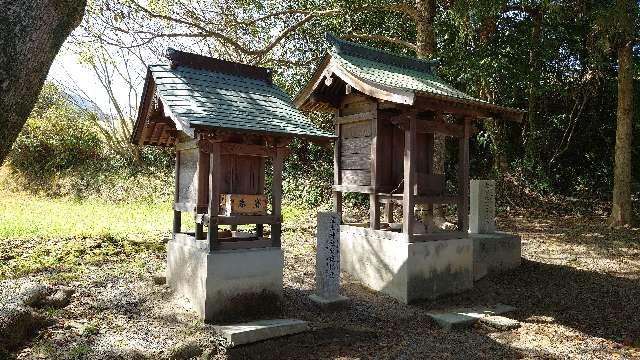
[
  {"x": 31, "y": 34},
  {"x": 535, "y": 68},
  {"x": 621, "y": 213},
  {"x": 426, "y": 48},
  {"x": 425, "y": 33}
]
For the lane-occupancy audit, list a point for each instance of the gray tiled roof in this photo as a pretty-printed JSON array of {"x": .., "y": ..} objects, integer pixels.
[{"x": 203, "y": 98}]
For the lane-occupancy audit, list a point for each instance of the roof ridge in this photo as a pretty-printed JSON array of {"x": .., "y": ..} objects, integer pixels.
[
  {"x": 196, "y": 61},
  {"x": 344, "y": 47}
]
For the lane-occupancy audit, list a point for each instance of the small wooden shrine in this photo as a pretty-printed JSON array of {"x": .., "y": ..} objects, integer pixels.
[
  {"x": 388, "y": 108},
  {"x": 388, "y": 111},
  {"x": 229, "y": 124}
]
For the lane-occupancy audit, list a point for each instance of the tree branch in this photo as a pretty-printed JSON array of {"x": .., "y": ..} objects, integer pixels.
[{"x": 388, "y": 39}]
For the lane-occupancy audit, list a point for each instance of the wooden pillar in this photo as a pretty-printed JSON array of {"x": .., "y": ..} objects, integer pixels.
[
  {"x": 463, "y": 177},
  {"x": 388, "y": 212},
  {"x": 276, "y": 197},
  {"x": 201, "y": 196},
  {"x": 214, "y": 195},
  {"x": 374, "y": 208},
  {"x": 430, "y": 141},
  {"x": 177, "y": 215},
  {"x": 408, "y": 201},
  {"x": 337, "y": 195}
]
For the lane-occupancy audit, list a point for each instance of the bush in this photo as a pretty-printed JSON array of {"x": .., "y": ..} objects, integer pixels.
[{"x": 57, "y": 137}]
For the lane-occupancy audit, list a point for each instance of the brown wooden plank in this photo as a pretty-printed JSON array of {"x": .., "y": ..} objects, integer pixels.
[
  {"x": 247, "y": 149},
  {"x": 409, "y": 178},
  {"x": 356, "y": 146},
  {"x": 355, "y": 177},
  {"x": 214, "y": 195},
  {"x": 357, "y": 117},
  {"x": 355, "y": 162},
  {"x": 388, "y": 212},
  {"x": 357, "y": 129}
]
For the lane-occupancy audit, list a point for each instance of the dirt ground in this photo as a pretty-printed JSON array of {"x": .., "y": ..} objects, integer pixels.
[{"x": 577, "y": 294}]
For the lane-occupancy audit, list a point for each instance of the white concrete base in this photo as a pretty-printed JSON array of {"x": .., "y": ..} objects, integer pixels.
[
  {"x": 495, "y": 253},
  {"x": 386, "y": 261},
  {"x": 254, "y": 331},
  {"x": 329, "y": 303},
  {"x": 215, "y": 282}
]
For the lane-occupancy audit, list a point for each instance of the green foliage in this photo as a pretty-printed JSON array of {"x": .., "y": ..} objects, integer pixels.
[{"x": 56, "y": 137}]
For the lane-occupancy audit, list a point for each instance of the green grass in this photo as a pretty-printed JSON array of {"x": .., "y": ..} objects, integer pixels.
[
  {"x": 65, "y": 236},
  {"x": 24, "y": 216}
]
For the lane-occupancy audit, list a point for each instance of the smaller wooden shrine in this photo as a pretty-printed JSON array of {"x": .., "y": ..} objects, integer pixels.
[
  {"x": 229, "y": 125},
  {"x": 388, "y": 111}
]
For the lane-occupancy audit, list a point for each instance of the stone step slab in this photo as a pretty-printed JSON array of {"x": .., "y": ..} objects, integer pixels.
[
  {"x": 461, "y": 318},
  {"x": 250, "y": 332}
]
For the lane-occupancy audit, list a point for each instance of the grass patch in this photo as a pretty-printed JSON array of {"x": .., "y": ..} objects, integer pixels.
[{"x": 65, "y": 236}]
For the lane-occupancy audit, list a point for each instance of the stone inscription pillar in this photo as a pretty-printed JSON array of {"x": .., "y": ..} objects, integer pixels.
[
  {"x": 482, "y": 219},
  {"x": 328, "y": 261}
]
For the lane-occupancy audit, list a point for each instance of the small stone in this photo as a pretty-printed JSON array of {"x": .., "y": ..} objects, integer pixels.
[
  {"x": 159, "y": 279},
  {"x": 500, "y": 322},
  {"x": 59, "y": 299},
  {"x": 17, "y": 325},
  {"x": 31, "y": 293}
]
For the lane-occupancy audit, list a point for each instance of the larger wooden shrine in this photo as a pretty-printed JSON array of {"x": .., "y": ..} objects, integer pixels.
[
  {"x": 389, "y": 109},
  {"x": 229, "y": 125}
]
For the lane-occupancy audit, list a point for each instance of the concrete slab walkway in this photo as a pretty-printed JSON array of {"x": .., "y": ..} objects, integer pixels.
[
  {"x": 250, "y": 332},
  {"x": 466, "y": 317}
]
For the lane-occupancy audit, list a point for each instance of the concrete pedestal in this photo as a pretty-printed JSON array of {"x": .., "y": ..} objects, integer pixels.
[
  {"x": 495, "y": 253},
  {"x": 387, "y": 262},
  {"x": 221, "y": 284}
]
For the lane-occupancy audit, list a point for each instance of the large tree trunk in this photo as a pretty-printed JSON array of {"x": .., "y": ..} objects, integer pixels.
[
  {"x": 621, "y": 213},
  {"x": 535, "y": 68},
  {"x": 425, "y": 33},
  {"x": 31, "y": 34},
  {"x": 426, "y": 48}
]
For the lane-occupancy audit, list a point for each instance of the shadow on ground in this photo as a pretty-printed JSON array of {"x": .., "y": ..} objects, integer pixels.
[
  {"x": 374, "y": 326},
  {"x": 594, "y": 303}
]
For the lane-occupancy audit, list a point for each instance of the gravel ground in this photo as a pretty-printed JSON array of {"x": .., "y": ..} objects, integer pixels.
[{"x": 577, "y": 294}]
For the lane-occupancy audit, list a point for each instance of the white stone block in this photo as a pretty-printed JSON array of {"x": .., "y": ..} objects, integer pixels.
[
  {"x": 482, "y": 199},
  {"x": 254, "y": 331}
]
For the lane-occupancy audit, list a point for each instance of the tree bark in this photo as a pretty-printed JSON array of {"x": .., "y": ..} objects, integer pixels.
[
  {"x": 621, "y": 213},
  {"x": 425, "y": 34},
  {"x": 31, "y": 34}
]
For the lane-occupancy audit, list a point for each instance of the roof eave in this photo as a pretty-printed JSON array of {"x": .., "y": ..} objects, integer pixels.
[
  {"x": 488, "y": 110},
  {"x": 265, "y": 132}
]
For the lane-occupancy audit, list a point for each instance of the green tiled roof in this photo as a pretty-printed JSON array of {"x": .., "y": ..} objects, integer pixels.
[
  {"x": 391, "y": 70},
  {"x": 204, "y": 98}
]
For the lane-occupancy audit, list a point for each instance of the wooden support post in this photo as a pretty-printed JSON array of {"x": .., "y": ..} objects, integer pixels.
[
  {"x": 408, "y": 201},
  {"x": 374, "y": 205},
  {"x": 259, "y": 230},
  {"x": 337, "y": 195},
  {"x": 388, "y": 212},
  {"x": 215, "y": 169},
  {"x": 201, "y": 188},
  {"x": 276, "y": 197},
  {"x": 177, "y": 215},
  {"x": 463, "y": 178},
  {"x": 430, "y": 144}
]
